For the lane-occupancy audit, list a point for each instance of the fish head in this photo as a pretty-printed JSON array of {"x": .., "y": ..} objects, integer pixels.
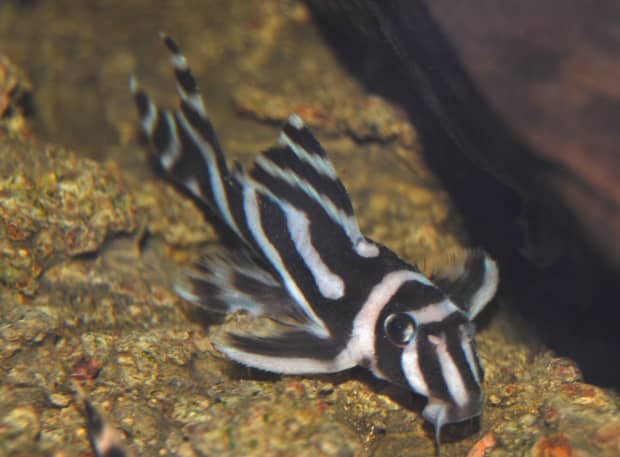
[
  {"x": 432, "y": 350},
  {"x": 442, "y": 363},
  {"x": 425, "y": 340}
]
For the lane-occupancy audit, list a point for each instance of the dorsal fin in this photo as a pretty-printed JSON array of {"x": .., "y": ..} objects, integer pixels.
[{"x": 299, "y": 162}]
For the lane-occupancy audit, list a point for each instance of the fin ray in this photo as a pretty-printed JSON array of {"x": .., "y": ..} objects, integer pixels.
[
  {"x": 299, "y": 161},
  {"x": 184, "y": 142},
  {"x": 290, "y": 352},
  {"x": 225, "y": 282}
]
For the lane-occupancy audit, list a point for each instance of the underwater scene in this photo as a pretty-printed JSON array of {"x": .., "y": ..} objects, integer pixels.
[{"x": 225, "y": 229}]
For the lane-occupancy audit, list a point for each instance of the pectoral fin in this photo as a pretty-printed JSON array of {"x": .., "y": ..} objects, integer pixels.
[{"x": 472, "y": 283}]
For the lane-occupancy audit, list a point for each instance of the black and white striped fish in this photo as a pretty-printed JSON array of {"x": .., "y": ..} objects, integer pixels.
[{"x": 342, "y": 299}]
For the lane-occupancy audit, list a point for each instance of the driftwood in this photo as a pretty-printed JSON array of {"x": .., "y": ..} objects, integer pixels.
[
  {"x": 551, "y": 70},
  {"x": 518, "y": 106},
  {"x": 529, "y": 92}
]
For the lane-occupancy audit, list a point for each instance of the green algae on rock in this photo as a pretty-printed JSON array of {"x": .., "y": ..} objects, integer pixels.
[{"x": 54, "y": 205}]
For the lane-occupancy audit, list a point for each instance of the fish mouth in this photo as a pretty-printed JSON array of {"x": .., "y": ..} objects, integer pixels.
[{"x": 440, "y": 412}]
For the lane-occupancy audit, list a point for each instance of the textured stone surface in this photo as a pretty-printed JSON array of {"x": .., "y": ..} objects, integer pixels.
[{"x": 54, "y": 205}]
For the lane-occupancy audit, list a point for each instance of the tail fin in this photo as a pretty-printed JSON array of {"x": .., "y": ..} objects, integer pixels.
[{"x": 183, "y": 142}]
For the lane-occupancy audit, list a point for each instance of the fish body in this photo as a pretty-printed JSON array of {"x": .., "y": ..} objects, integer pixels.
[{"x": 339, "y": 298}]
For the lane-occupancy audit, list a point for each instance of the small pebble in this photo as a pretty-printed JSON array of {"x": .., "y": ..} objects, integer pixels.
[
  {"x": 528, "y": 420},
  {"x": 494, "y": 400},
  {"x": 20, "y": 425},
  {"x": 553, "y": 446},
  {"x": 60, "y": 400}
]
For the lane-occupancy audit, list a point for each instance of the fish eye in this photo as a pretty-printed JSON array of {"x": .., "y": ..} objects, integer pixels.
[{"x": 399, "y": 328}]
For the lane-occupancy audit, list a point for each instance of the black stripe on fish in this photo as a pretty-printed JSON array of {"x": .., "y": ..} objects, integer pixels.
[
  {"x": 292, "y": 344},
  {"x": 469, "y": 374},
  {"x": 306, "y": 165},
  {"x": 307, "y": 180},
  {"x": 308, "y": 250},
  {"x": 303, "y": 156},
  {"x": 430, "y": 367},
  {"x": 453, "y": 351}
]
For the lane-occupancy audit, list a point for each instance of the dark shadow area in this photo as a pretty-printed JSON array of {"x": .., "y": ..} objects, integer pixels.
[
  {"x": 22, "y": 102},
  {"x": 26, "y": 3},
  {"x": 549, "y": 269}
]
